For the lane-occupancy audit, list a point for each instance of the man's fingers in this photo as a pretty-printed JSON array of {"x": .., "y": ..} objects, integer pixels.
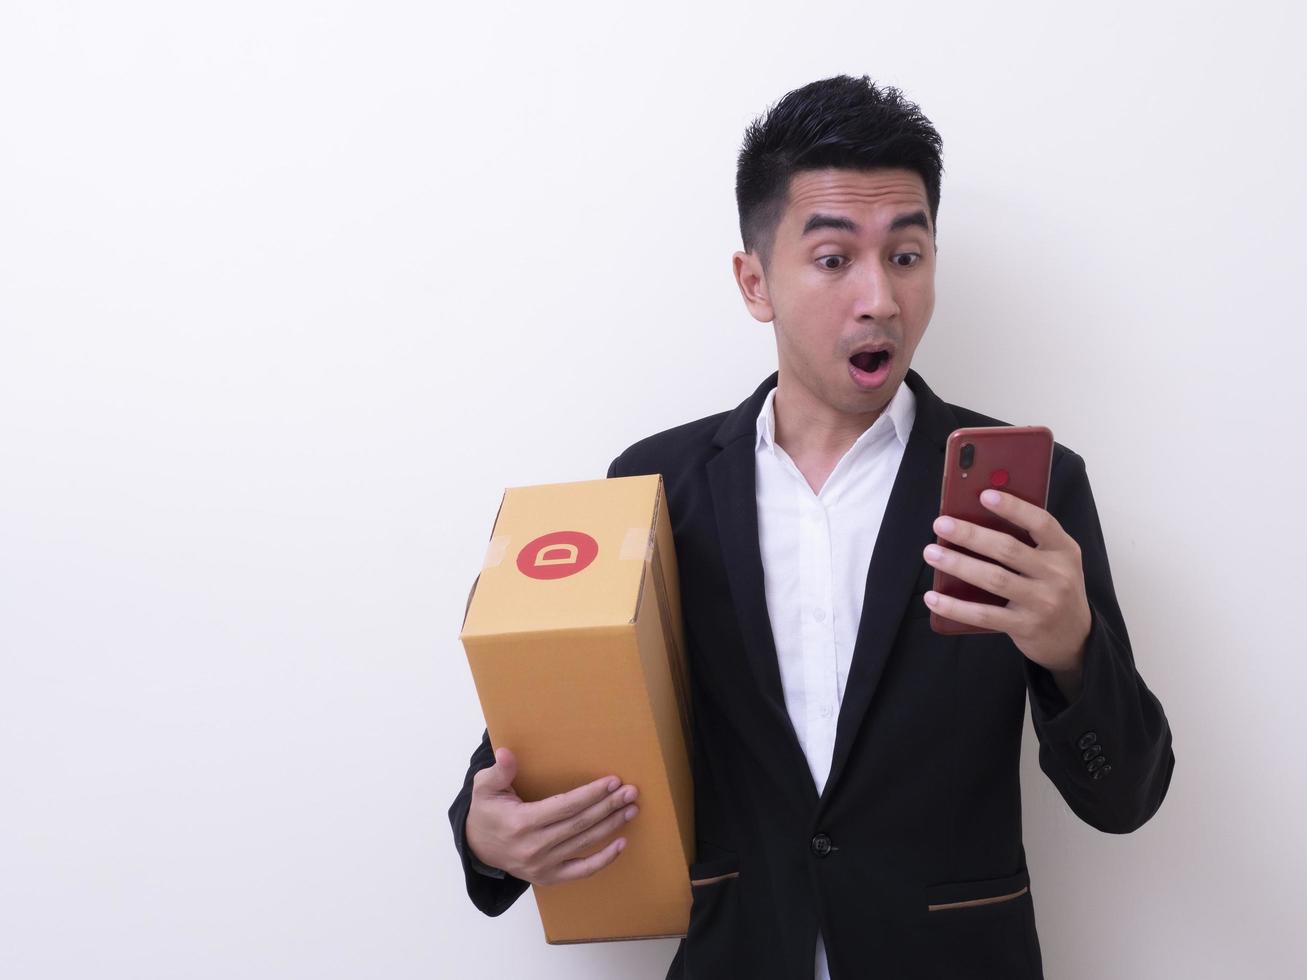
[
  {"x": 563, "y": 805},
  {"x": 586, "y": 866},
  {"x": 563, "y": 830},
  {"x": 587, "y": 838},
  {"x": 999, "y": 546},
  {"x": 988, "y": 575},
  {"x": 1044, "y": 528}
]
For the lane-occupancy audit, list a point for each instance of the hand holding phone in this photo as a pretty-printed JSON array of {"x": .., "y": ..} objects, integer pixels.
[{"x": 1015, "y": 459}]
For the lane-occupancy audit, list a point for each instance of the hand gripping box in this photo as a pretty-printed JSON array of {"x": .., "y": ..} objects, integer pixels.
[{"x": 575, "y": 640}]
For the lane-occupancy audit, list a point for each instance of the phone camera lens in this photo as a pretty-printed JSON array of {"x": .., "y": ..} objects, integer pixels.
[{"x": 967, "y": 456}]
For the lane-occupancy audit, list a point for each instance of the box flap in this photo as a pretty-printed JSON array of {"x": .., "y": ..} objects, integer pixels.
[{"x": 566, "y": 555}]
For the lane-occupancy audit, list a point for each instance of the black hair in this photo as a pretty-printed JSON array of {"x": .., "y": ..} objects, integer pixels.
[{"x": 835, "y": 122}]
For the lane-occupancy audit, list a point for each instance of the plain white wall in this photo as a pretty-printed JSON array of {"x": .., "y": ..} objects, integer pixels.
[{"x": 290, "y": 291}]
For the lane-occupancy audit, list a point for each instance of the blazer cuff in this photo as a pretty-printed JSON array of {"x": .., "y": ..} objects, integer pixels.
[
  {"x": 1066, "y": 723},
  {"x": 484, "y": 869},
  {"x": 1112, "y": 733}
]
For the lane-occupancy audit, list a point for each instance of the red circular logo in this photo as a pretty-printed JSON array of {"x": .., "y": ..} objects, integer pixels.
[{"x": 557, "y": 554}]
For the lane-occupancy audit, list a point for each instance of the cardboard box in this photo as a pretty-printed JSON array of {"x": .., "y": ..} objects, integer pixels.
[{"x": 575, "y": 640}]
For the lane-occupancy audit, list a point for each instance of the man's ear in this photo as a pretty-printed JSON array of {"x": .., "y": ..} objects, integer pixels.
[{"x": 747, "y": 268}]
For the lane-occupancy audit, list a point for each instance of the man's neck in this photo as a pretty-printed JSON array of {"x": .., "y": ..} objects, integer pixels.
[{"x": 807, "y": 428}]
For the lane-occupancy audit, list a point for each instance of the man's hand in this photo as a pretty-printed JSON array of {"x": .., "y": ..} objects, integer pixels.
[
  {"x": 1047, "y": 615},
  {"x": 542, "y": 842}
]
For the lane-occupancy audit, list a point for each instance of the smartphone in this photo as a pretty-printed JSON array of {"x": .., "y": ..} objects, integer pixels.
[{"x": 1017, "y": 459}]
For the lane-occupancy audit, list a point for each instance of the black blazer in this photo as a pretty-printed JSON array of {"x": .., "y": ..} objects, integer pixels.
[{"x": 911, "y": 860}]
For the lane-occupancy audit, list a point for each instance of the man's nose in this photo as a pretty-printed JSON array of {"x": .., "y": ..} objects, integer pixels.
[{"x": 876, "y": 294}]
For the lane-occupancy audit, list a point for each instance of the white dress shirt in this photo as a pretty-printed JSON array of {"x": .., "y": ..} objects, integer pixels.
[{"x": 816, "y": 550}]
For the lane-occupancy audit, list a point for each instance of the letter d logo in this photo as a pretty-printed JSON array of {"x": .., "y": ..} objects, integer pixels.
[{"x": 557, "y": 554}]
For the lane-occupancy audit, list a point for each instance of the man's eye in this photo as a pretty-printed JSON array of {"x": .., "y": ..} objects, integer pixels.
[
  {"x": 907, "y": 255},
  {"x": 832, "y": 268}
]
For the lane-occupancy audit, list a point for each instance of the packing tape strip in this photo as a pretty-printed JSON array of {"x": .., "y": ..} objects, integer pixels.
[
  {"x": 495, "y": 551},
  {"x": 636, "y": 545}
]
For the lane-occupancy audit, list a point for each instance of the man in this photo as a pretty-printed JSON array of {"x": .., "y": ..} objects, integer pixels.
[{"x": 857, "y": 801}]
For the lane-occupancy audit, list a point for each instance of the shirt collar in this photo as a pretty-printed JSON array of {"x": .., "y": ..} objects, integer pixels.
[{"x": 900, "y": 413}]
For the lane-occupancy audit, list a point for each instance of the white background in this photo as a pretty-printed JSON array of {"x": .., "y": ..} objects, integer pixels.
[{"x": 290, "y": 291}]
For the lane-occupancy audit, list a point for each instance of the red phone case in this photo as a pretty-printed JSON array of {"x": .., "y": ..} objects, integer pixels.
[{"x": 1017, "y": 459}]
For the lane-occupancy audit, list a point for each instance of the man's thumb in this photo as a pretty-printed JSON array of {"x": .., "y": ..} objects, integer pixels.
[{"x": 500, "y": 776}]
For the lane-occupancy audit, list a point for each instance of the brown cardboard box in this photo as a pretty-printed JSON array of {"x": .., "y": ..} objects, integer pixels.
[{"x": 574, "y": 636}]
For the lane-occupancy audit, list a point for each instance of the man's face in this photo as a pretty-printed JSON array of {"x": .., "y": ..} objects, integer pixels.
[{"x": 831, "y": 291}]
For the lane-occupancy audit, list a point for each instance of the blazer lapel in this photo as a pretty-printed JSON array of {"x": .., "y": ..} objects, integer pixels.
[
  {"x": 896, "y": 561},
  {"x": 732, "y": 480},
  {"x": 906, "y": 529}
]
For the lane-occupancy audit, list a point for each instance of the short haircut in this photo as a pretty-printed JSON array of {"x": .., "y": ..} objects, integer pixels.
[{"x": 835, "y": 122}]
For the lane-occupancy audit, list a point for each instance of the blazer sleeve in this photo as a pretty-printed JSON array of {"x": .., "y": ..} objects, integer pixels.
[
  {"x": 1109, "y": 752},
  {"x": 492, "y": 890}
]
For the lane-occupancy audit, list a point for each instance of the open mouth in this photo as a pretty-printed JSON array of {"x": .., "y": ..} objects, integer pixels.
[
  {"x": 869, "y": 361},
  {"x": 870, "y": 369}
]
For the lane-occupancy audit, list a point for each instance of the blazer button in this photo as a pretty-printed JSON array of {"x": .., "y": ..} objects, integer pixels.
[
  {"x": 821, "y": 845},
  {"x": 1092, "y": 751},
  {"x": 1097, "y": 763},
  {"x": 1103, "y": 772},
  {"x": 1087, "y": 739}
]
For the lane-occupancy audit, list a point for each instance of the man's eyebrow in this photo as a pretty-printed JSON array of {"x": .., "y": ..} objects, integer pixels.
[{"x": 838, "y": 223}]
